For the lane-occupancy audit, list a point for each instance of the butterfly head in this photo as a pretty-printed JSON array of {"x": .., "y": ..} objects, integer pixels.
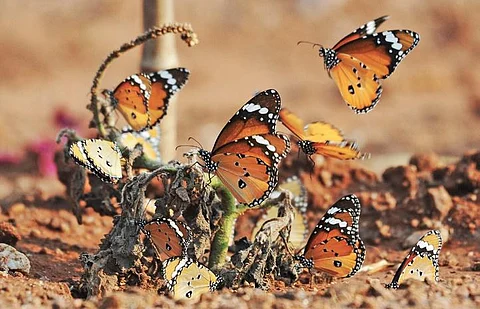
[
  {"x": 329, "y": 57},
  {"x": 307, "y": 147},
  {"x": 304, "y": 262},
  {"x": 206, "y": 156}
]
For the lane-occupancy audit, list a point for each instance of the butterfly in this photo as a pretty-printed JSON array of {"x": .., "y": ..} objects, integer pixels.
[
  {"x": 150, "y": 141},
  {"x": 247, "y": 151},
  {"x": 300, "y": 201},
  {"x": 143, "y": 98},
  {"x": 360, "y": 60},
  {"x": 169, "y": 237},
  {"x": 101, "y": 157},
  {"x": 321, "y": 138},
  {"x": 421, "y": 262},
  {"x": 188, "y": 279},
  {"x": 335, "y": 246}
]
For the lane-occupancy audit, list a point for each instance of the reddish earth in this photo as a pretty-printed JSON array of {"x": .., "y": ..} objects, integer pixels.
[{"x": 431, "y": 104}]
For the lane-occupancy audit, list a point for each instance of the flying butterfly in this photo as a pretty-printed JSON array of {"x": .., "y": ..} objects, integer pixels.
[
  {"x": 335, "y": 246},
  {"x": 360, "y": 60},
  {"x": 101, "y": 157},
  {"x": 247, "y": 151},
  {"x": 321, "y": 138},
  {"x": 143, "y": 98},
  {"x": 150, "y": 141},
  {"x": 188, "y": 279},
  {"x": 421, "y": 262},
  {"x": 299, "y": 228},
  {"x": 169, "y": 237}
]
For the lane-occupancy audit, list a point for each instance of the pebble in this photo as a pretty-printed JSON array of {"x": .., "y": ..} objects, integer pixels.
[
  {"x": 11, "y": 259},
  {"x": 16, "y": 209},
  {"x": 9, "y": 234},
  {"x": 35, "y": 233}
]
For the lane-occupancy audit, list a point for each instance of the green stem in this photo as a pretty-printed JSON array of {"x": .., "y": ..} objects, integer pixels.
[{"x": 219, "y": 247}]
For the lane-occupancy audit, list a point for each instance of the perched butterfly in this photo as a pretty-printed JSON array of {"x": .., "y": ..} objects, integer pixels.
[
  {"x": 247, "y": 151},
  {"x": 169, "y": 237},
  {"x": 150, "y": 141},
  {"x": 321, "y": 138},
  {"x": 300, "y": 201},
  {"x": 421, "y": 262},
  {"x": 335, "y": 246},
  {"x": 188, "y": 279},
  {"x": 361, "y": 59},
  {"x": 143, "y": 98},
  {"x": 101, "y": 157}
]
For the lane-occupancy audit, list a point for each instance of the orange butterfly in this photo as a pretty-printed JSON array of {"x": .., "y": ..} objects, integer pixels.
[
  {"x": 421, "y": 262},
  {"x": 247, "y": 151},
  {"x": 335, "y": 246},
  {"x": 321, "y": 138},
  {"x": 361, "y": 59},
  {"x": 169, "y": 237},
  {"x": 143, "y": 99}
]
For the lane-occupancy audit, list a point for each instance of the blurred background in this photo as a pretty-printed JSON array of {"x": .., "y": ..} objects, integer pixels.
[{"x": 50, "y": 51}]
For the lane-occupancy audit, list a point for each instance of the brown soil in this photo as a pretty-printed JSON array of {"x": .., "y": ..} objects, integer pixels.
[{"x": 431, "y": 104}]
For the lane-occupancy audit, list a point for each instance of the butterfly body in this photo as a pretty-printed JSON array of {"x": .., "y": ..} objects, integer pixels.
[
  {"x": 188, "y": 279},
  {"x": 143, "y": 98},
  {"x": 321, "y": 138},
  {"x": 421, "y": 262},
  {"x": 360, "y": 60},
  {"x": 335, "y": 246},
  {"x": 247, "y": 151},
  {"x": 101, "y": 157}
]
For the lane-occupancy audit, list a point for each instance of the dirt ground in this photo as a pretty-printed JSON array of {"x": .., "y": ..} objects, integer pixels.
[{"x": 51, "y": 50}]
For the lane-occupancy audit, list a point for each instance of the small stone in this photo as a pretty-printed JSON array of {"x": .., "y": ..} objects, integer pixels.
[
  {"x": 425, "y": 162},
  {"x": 35, "y": 233},
  {"x": 440, "y": 201},
  {"x": 16, "y": 209},
  {"x": 55, "y": 224},
  {"x": 326, "y": 178},
  {"x": 9, "y": 234},
  {"x": 11, "y": 259}
]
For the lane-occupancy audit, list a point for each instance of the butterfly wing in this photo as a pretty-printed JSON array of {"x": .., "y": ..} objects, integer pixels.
[
  {"x": 335, "y": 246},
  {"x": 322, "y": 132},
  {"x": 187, "y": 279},
  {"x": 101, "y": 157},
  {"x": 293, "y": 123},
  {"x": 164, "y": 85},
  {"x": 248, "y": 167},
  {"x": 131, "y": 98},
  {"x": 359, "y": 86},
  {"x": 421, "y": 262},
  {"x": 382, "y": 52},
  {"x": 344, "y": 150},
  {"x": 258, "y": 116},
  {"x": 148, "y": 139},
  {"x": 169, "y": 237},
  {"x": 368, "y": 28}
]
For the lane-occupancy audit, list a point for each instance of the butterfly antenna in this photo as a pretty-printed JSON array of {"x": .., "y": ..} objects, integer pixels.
[
  {"x": 193, "y": 139},
  {"x": 187, "y": 145},
  {"x": 308, "y": 42}
]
